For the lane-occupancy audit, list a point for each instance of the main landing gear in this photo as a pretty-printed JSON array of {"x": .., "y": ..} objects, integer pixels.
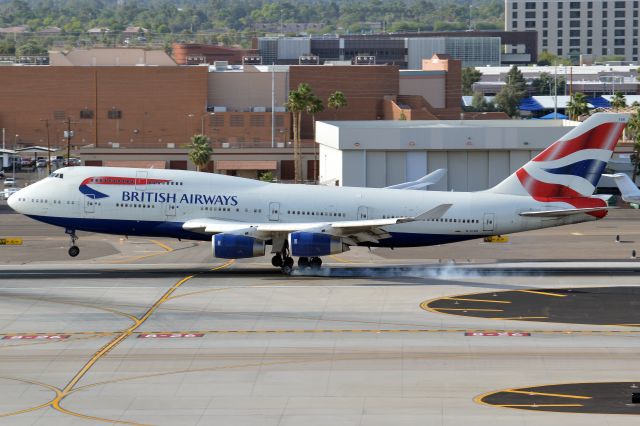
[
  {"x": 74, "y": 250},
  {"x": 284, "y": 263},
  {"x": 313, "y": 263}
]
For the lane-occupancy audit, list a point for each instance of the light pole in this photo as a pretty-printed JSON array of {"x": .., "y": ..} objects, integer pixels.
[
  {"x": 46, "y": 125},
  {"x": 13, "y": 173}
]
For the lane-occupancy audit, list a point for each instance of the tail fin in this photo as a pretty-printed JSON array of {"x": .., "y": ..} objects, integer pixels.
[
  {"x": 628, "y": 189},
  {"x": 571, "y": 166}
]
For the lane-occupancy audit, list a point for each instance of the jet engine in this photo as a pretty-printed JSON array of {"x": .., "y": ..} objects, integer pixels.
[
  {"x": 312, "y": 244},
  {"x": 230, "y": 246}
]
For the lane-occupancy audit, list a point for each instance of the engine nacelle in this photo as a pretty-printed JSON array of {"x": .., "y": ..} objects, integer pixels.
[
  {"x": 310, "y": 244},
  {"x": 229, "y": 246}
]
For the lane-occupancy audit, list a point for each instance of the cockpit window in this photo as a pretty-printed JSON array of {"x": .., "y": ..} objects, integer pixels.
[{"x": 57, "y": 175}]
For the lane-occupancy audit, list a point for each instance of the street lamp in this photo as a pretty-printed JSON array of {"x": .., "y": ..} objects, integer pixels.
[{"x": 13, "y": 173}]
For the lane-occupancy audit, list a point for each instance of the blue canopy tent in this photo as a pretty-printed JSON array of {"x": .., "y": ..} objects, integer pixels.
[
  {"x": 599, "y": 102},
  {"x": 552, "y": 116},
  {"x": 530, "y": 104}
]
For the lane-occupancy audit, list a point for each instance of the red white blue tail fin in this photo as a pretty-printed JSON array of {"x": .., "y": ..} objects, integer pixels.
[{"x": 571, "y": 167}]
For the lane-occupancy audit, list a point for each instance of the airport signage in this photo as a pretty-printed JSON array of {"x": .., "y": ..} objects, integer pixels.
[
  {"x": 497, "y": 334},
  {"x": 10, "y": 241},
  {"x": 37, "y": 337},
  {"x": 169, "y": 335}
]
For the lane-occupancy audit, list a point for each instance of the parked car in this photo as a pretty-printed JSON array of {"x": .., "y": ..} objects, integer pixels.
[
  {"x": 26, "y": 162},
  {"x": 1, "y": 174},
  {"x": 9, "y": 181},
  {"x": 41, "y": 163},
  {"x": 9, "y": 191}
]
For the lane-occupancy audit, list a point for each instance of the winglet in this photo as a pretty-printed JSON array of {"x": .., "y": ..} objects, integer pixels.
[{"x": 434, "y": 213}]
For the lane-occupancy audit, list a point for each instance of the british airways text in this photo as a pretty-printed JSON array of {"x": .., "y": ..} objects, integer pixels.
[{"x": 166, "y": 197}]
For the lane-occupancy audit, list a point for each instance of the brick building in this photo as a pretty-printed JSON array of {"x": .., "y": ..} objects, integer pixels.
[{"x": 193, "y": 53}]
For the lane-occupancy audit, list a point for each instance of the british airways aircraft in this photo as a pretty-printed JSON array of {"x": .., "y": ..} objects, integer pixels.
[{"x": 242, "y": 216}]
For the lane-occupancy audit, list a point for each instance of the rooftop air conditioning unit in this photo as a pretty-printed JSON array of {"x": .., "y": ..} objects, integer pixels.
[
  {"x": 171, "y": 145},
  {"x": 280, "y": 145},
  {"x": 225, "y": 144},
  {"x": 115, "y": 145}
]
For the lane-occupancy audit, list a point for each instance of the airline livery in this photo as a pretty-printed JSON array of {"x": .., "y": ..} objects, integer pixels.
[{"x": 242, "y": 216}]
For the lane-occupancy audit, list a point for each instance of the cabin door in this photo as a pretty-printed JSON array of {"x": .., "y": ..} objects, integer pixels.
[
  {"x": 274, "y": 211},
  {"x": 488, "y": 223}
]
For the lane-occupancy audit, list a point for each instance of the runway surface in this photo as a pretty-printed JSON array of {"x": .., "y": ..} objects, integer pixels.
[{"x": 138, "y": 333}]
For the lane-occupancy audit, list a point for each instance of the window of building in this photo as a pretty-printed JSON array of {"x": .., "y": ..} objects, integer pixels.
[
  {"x": 560, "y": 15},
  {"x": 589, "y": 50},
  {"x": 530, "y": 15},
  {"x": 589, "y": 14},
  {"x": 604, "y": 14},
  {"x": 256, "y": 120},
  {"x": 237, "y": 120},
  {"x": 620, "y": 23},
  {"x": 574, "y": 33},
  {"x": 574, "y": 14},
  {"x": 589, "y": 24},
  {"x": 514, "y": 24},
  {"x": 114, "y": 114},
  {"x": 618, "y": 42},
  {"x": 635, "y": 50},
  {"x": 605, "y": 4},
  {"x": 589, "y": 42},
  {"x": 545, "y": 5},
  {"x": 559, "y": 24},
  {"x": 619, "y": 14},
  {"x": 604, "y": 41},
  {"x": 559, "y": 52},
  {"x": 618, "y": 51},
  {"x": 514, "y": 5},
  {"x": 544, "y": 42},
  {"x": 604, "y": 50},
  {"x": 605, "y": 24},
  {"x": 619, "y": 5},
  {"x": 86, "y": 114},
  {"x": 574, "y": 24},
  {"x": 635, "y": 33},
  {"x": 604, "y": 33},
  {"x": 559, "y": 33},
  {"x": 545, "y": 33},
  {"x": 589, "y": 33},
  {"x": 530, "y": 24},
  {"x": 545, "y": 15},
  {"x": 635, "y": 4},
  {"x": 574, "y": 5},
  {"x": 574, "y": 42},
  {"x": 589, "y": 4},
  {"x": 514, "y": 15},
  {"x": 635, "y": 13},
  {"x": 560, "y": 5},
  {"x": 545, "y": 24},
  {"x": 619, "y": 33},
  {"x": 530, "y": 5}
]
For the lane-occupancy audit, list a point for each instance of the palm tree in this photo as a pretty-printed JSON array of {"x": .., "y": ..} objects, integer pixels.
[
  {"x": 577, "y": 106},
  {"x": 200, "y": 153},
  {"x": 337, "y": 100},
  {"x": 618, "y": 101},
  {"x": 297, "y": 102},
  {"x": 633, "y": 132},
  {"x": 314, "y": 107}
]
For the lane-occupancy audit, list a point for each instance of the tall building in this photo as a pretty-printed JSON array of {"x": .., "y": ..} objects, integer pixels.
[{"x": 573, "y": 28}]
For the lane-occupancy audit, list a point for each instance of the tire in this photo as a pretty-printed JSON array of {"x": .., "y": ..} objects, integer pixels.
[
  {"x": 303, "y": 262},
  {"x": 315, "y": 263},
  {"x": 74, "y": 251},
  {"x": 277, "y": 261}
]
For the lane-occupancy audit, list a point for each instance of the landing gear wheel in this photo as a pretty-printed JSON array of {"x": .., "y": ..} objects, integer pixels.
[
  {"x": 287, "y": 270},
  {"x": 277, "y": 261},
  {"x": 303, "y": 262},
  {"x": 315, "y": 263},
  {"x": 74, "y": 251},
  {"x": 287, "y": 265}
]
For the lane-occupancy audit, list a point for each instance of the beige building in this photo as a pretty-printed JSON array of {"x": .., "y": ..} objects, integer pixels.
[
  {"x": 573, "y": 28},
  {"x": 110, "y": 57}
]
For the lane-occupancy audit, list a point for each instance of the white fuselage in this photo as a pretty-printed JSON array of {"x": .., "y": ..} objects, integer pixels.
[{"x": 157, "y": 203}]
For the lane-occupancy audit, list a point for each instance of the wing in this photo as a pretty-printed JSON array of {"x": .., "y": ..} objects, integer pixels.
[
  {"x": 628, "y": 189},
  {"x": 430, "y": 179},
  {"x": 353, "y": 231},
  {"x": 564, "y": 212}
]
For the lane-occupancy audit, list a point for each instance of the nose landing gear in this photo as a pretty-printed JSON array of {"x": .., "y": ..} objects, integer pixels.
[{"x": 74, "y": 250}]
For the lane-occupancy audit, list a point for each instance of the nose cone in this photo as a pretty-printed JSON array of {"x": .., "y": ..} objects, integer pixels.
[{"x": 13, "y": 201}]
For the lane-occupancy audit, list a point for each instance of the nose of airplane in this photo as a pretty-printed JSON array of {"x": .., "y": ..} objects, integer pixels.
[{"x": 13, "y": 200}]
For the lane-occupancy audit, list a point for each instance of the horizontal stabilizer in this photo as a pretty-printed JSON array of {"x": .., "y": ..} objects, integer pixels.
[
  {"x": 564, "y": 212},
  {"x": 430, "y": 179}
]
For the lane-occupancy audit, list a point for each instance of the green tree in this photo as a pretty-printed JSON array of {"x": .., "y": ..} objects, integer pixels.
[
  {"x": 200, "y": 151},
  {"x": 544, "y": 84},
  {"x": 577, "y": 106},
  {"x": 548, "y": 58},
  {"x": 297, "y": 103},
  {"x": 314, "y": 106},
  {"x": 469, "y": 76},
  {"x": 336, "y": 101},
  {"x": 516, "y": 80},
  {"x": 480, "y": 104},
  {"x": 508, "y": 100},
  {"x": 618, "y": 101},
  {"x": 633, "y": 132}
]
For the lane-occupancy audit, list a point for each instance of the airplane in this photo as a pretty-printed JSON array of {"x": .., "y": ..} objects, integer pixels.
[
  {"x": 242, "y": 216},
  {"x": 628, "y": 189},
  {"x": 428, "y": 180}
]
